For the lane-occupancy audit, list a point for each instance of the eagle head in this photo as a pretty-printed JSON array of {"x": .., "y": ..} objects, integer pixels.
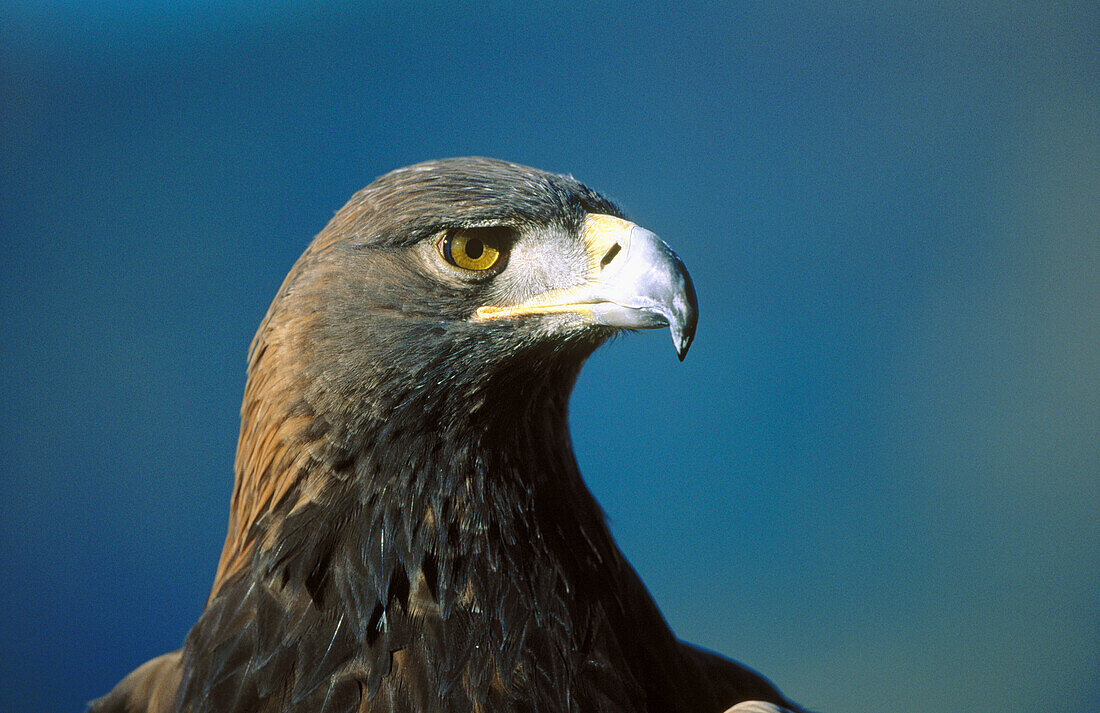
[
  {"x": 409, "y": 528},
  {"x": 455, "y": 294}
]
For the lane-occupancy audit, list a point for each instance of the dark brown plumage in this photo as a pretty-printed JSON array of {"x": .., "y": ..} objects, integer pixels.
[{"x": 409, "y": 530}]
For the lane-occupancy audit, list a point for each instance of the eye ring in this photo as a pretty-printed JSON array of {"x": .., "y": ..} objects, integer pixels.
[{"x": 476, "y": 250}]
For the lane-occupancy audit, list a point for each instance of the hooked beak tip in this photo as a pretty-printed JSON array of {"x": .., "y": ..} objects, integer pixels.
[{"x": 681, "y": 345}]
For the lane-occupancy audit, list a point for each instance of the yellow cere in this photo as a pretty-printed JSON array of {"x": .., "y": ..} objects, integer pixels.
[{"x": 601, "y": 233}]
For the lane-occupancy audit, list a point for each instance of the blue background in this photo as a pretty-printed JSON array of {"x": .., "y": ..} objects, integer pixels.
[{"x": 875, "y": 478}]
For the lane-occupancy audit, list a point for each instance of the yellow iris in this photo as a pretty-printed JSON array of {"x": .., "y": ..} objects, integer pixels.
[{"x": 470, "y": 250}]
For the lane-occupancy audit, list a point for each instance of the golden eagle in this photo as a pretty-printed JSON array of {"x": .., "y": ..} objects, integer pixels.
[{"x": 409, "y": 530}]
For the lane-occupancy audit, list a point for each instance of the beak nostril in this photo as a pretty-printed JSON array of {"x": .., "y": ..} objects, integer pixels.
[{"x": 610, "y": 255}]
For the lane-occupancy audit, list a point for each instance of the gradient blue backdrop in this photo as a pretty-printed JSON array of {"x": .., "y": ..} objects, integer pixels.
[{"x": 876, "y": 475}]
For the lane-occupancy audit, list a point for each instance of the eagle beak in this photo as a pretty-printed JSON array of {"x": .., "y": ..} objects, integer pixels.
[{"x": 634, "y": 281}]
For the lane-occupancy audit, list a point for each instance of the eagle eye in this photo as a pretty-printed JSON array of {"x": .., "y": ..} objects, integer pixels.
[{"x": 476, "y": 249}]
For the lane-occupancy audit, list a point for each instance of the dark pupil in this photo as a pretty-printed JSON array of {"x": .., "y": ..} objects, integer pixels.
[{"x": 474, "y": 248}]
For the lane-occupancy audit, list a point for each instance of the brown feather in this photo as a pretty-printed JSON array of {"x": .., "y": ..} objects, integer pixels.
[
  {"x": 150, "y": 688},
  {"x": 409, "y": 531}
]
